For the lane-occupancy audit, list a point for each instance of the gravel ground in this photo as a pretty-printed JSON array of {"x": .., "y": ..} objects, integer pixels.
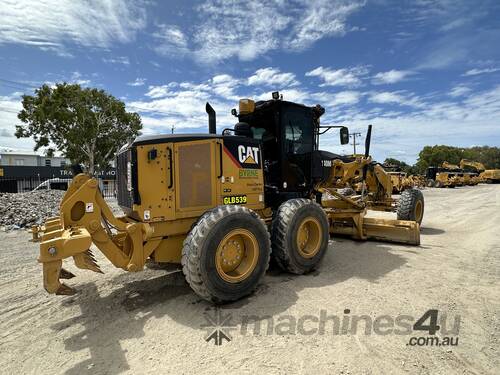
[{"x": 151, "y": 322}]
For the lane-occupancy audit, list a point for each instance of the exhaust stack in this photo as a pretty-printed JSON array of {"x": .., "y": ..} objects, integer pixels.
[{"x": 212, "y": 129}]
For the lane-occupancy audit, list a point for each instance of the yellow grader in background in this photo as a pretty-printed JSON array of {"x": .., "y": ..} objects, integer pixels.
[
  {"x": 363, "y": 176},
  {"x": 216, "y": 204},
  {"x": 402, "y": 181},
  {"x": 446, "y": 176},
  {"x": 483, "y": 174}
]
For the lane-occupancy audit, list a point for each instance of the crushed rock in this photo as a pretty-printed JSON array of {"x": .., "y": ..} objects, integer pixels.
[{"x": 23, "y": 210}]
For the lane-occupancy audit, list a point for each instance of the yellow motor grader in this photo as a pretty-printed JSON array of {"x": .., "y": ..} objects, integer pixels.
[
  {"x": 482, "y": 174},
  {"x": 463, "y": 177},
  {"x": 363, "y": 176},
  {"x": 402, "y": 181},
  {"x": 216, "y": 204},
  {"x": 446, "y": 176}
]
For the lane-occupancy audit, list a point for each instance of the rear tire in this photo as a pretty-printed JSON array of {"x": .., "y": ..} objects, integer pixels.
[
  {"x": 431, "y": 183},
  {"x": 411, "y": 206},
  {"x": 438, "y": 184},
  {"x": 226, "y": 254},
  {"x": 300, "y": 235}
]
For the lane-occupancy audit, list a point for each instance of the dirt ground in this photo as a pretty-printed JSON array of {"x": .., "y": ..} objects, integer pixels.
[{"x": 151, "y": 322}]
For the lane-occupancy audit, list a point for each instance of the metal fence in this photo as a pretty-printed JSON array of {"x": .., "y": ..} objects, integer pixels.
[{"x": 26, "y": 184}]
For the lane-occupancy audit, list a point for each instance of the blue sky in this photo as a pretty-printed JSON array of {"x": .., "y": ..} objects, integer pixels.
[{"x": 423, "y": 72}]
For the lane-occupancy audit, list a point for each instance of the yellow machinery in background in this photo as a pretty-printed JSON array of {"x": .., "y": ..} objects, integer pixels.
[
  {"x": 216, "y": 204},
  {"x": 484, "y": 175},
  {"x": 446, "y": 176},
  {"x": 375, "y": 185},
  {"x": 401, "y": 181}
]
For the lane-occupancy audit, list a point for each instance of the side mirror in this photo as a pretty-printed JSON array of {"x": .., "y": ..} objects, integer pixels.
[{"x": 344, "y": 135}]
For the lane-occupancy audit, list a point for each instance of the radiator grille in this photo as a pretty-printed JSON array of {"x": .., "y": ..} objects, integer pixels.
[{"x": 195, "y": 177}]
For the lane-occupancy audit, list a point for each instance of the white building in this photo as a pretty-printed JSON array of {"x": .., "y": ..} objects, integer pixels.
[{"x": 30, "y": 159}]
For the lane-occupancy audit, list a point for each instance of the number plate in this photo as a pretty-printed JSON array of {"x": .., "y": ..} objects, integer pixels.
[{"x": 235, "y": 199}]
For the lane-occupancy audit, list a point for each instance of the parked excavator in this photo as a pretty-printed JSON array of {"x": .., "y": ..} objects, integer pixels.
[{"x": 216, "y": 204}]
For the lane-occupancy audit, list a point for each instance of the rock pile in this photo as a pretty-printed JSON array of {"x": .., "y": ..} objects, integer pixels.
[{"x": 22, "y": 210}]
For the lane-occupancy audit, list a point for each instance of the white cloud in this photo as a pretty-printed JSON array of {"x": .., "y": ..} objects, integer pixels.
[
  {"x": 459, "y": 90},
  {"x": 475, "y": 71},
  {"x": 55, "y": 24},
  {"x": 137, "y": 82},
  {"x": 156, "y": 92},
  {"x": 321, "y": 19},
  {"x": 272, "y": 77},
  {"x": 346, "y": 98},
  {"x": 391, "y": 76},
  {"x": 77, "y": 77},
  {"x": 124, "y": 60},
  {"x": 9, "y": 107},
  {"x": 339, "y": 77},
  {"x": 248, "y": 29},
  {"x": 243, "y": 29},
  {"x": 171, "y": 41}
]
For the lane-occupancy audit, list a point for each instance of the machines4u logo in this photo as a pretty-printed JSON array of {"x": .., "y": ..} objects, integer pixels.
[{"x": 245, "y": 154}]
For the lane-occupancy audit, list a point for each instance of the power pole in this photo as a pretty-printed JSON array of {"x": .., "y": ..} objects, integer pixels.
[
  {"x": 354, "y": 135},
  {"x": 173, "y": 128}
]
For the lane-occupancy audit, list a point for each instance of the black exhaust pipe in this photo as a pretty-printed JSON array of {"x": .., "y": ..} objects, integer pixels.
[
  {"x": 368, "y": 141},
  {"x": 212, "y": 128}
]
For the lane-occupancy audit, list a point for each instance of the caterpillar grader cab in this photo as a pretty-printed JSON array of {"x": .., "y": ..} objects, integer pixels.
[{"x": 216, "y": 204}]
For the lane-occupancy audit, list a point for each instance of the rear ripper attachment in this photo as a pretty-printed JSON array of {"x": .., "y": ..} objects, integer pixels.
[{"x": 85, "y": 218}]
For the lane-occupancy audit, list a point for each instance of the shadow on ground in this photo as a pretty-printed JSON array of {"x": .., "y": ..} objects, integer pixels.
[
  {"x": 122, "y": 314},
  {"x": 430, "y": 231}
]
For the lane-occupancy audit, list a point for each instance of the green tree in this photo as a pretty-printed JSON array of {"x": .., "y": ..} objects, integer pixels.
[
  {"x": 86, "y": 124},
  {"x": 396, "y": 163}
]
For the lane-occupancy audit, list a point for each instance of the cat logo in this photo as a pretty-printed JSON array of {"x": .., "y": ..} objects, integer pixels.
[{"x": 248, "y": 154}]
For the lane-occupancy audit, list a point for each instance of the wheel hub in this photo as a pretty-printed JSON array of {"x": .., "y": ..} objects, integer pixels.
[
  {"x": 236, "y": 255},
  {"x": 309, "y": 237}
]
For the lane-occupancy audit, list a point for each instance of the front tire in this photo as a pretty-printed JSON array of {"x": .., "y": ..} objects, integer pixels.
[
  {"x": 299, "y": 235},
  {"x": 226, "y": 254},
  {"x": 411, "y": 206}
]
